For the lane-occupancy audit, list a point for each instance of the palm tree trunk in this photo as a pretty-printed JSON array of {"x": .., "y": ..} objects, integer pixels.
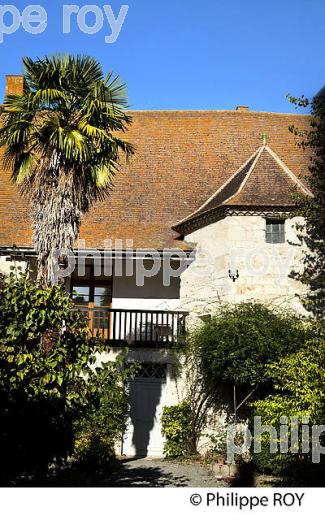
[{"x": 56, "y": 215}]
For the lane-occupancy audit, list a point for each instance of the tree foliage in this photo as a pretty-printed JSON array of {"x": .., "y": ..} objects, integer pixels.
[
  {"x": 298, "y": 386},
  {"x": 233, "y": 349},
  {"x": 298, "y": 391},
  {"x": 63, "y": 140},
  {"x": 103, "y": 423},
  {"x": 312, "y": 209},
  {"x": 47, "y": 383},
  {"x": 237, "y": 343}
]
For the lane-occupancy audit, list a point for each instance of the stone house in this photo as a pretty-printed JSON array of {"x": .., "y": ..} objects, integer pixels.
[{"x": 198, "y": 217}]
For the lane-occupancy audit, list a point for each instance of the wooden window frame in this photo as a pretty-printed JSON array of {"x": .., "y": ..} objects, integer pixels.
[{"x": 92, "y": 282}]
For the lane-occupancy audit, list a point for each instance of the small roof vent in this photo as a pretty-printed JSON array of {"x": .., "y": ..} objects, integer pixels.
[{"x": 242, "y": 108}]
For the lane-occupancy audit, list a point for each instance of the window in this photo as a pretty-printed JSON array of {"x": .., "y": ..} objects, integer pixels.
[
  {"x": 82, "y": 295},
  {"x": 102, "y": 295},
  {"x": 275, "y": 231},
  {"x": 151, "y": 371},
  {"x": 91, "y": 290}
]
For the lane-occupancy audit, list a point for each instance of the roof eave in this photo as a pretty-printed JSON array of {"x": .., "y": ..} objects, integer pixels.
[{"x": 213, "y": 215}]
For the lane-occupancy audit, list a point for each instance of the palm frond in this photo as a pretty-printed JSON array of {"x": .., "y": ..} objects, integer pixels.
[
  {"x": 46, "y": 96},
  {"x": 24, "y": 169},
  {"x": 63, "y": 140}
]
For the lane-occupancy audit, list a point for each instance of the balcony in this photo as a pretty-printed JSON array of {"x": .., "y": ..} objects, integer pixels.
[{"x": 145, "y": 328}]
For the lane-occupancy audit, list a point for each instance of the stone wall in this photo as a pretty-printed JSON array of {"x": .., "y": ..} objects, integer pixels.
[{"x": 238, "y": 243}]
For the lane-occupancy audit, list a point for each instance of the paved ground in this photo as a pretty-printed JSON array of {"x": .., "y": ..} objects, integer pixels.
[
  {"x": 160, "y": 473},
  {"x": 135, "y": 473}
]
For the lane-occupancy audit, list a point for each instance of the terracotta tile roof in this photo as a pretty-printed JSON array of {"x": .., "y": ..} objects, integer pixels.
[
  {"x": 262, "y": 181},
  {"x": 182, "y": 159}
]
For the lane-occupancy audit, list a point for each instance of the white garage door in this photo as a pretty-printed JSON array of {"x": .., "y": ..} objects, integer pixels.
[{"x": 147, "y": 397}]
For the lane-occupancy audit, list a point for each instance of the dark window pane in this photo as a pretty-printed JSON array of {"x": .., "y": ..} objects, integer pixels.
[
  {"x": 275, "y": 231},
  {"x": 82, "y": 296},
  {"x": 102, "y": 296}
]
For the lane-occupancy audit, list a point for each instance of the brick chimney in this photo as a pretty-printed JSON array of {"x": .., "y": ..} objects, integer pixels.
[
  {"x": 14, "y": 85},
  {"x": 242, "y": 108}
]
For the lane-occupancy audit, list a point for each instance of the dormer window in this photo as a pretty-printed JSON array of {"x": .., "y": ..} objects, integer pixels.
[{"x": 275, "y": 231}]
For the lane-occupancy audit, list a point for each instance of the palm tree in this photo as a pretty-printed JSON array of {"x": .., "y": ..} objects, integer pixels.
[{"x": 63, "y": 143}]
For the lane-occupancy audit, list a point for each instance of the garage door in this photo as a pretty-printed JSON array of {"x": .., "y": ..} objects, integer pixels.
[{"x": 147, "y": 397}]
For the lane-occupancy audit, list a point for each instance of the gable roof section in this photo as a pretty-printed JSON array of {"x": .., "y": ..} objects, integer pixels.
[
  {"x": 182, "y": 159},
  {"x": 262, "y": 181}
]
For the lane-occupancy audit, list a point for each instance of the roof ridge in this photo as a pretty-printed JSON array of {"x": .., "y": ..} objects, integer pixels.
[
  {"x": 215, "y": 111},
  {"x": 213, "y": 203},
  {"x": 241, "y": 187},
  {"x": 201, "y": 208},
  {"x": 287, "y": 170}
]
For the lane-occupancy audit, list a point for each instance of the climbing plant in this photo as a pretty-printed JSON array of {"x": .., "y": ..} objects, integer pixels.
[
  {"x": 232, "y": 349},
  {"x": 176, "y": 427}
]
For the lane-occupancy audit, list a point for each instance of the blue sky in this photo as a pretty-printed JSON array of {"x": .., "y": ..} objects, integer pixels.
[{"x": 185, "y": 54}]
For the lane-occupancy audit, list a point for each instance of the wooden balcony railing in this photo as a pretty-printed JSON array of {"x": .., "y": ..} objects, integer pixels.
[{"x": 142, "y": 327}]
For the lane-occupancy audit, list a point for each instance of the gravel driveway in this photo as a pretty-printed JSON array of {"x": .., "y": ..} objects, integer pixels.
[{"x": 160, "y": 473}]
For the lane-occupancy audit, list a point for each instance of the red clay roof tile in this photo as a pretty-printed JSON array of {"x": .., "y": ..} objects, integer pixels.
[
  {"x": 262, "y": 181},
  {"x": 181, "y": 159}
]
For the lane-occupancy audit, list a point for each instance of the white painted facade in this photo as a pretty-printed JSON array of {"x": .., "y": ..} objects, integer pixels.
[
  {"x": 235, "y": 243},
  {"x": 4, "y": 266}
]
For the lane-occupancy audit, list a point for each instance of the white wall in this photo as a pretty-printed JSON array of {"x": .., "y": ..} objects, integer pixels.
[
  {"x": 5, "y": 265},
  {"x": 152, "y": 295}
]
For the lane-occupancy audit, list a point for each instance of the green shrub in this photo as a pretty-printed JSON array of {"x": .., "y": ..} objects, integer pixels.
[
  {"x": 298, "y": 391},
  {"x": 237, "y": 343},
  {"x": 232, "y": 349},
  {"x": 47, "y": 384},
  {"x": 176, "y": 427},
  {"x": 103, "y": 424},
  {"x": 270, "y": 463},
  {"x": 298, "y": 382},
  {"x": 294, "y": 470}
]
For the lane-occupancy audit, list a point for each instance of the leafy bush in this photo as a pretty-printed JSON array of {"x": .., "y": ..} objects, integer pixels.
[
  {"x": 237, "y": 343},
  {"x": 102, "y": 426},
  {"x": 298, "y": 385},
  {"x": 46, "y": 380},
  {"x": 298, "y": 391},
  {"x": 294, "y": 469},
  {"x": 176, "y": 427},
  {"x": 233, "y": 349},
  {"x": 270, "y": 463}
]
